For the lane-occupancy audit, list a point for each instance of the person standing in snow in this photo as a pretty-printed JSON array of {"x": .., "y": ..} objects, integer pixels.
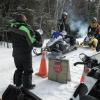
[
  {"x": 23, "y": 40},
  {"x": 64, "y": 27}
]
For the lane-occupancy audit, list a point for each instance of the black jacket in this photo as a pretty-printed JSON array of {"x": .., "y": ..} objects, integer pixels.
[
  {"x": 63, "y": 25},
  {"x": 22, "y": 38},
  {"x": 20, "y": 45},
  {"x": 93, "y": 31}
]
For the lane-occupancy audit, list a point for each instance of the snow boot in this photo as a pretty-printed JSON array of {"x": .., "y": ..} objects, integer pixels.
[
  {"x": 17, "y": 79},
  {"x": 27, "y": 82}
]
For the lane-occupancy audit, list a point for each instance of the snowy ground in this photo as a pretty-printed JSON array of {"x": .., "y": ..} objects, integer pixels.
[{"x": 45, "y": 89}]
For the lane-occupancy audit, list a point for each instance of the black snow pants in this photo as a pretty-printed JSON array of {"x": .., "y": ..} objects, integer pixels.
[{"x": 23, "y": 72}]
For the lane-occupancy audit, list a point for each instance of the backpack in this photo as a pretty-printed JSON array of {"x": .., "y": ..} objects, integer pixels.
[{"x": 15, "y": 93}]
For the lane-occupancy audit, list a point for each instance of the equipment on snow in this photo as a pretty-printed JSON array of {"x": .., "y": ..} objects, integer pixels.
[
  {"x": 90, "y": 88},
  {"x": 59, "y": 44},
  {"x": 16, "y": 93}
]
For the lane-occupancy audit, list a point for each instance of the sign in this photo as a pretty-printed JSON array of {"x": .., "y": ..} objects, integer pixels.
[{"x": 57, "y": 67}]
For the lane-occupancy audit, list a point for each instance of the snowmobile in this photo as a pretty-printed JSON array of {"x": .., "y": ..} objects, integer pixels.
[
  {"x": 90, "y": 88},
  {"x": 58, "y": 44},
  {"x": 90, "y": 41},
  {"x": 86, "y": 41}
]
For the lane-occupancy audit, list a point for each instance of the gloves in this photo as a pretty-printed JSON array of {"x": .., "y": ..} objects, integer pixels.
[{"x": 37, "y": 44}]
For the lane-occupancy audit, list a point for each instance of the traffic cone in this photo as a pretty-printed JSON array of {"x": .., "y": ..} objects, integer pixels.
[
  {"x": 43, "y": 68},
  {"x": 82, "y": 79}
]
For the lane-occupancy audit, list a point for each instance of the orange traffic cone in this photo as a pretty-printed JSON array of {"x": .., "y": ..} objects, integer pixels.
[
  {"x": 43, "y": 68},
  {"x": 82, "y": 79}
]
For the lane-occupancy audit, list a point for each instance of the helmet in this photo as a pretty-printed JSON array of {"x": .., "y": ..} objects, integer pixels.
[
  {"x": 94, "y": 19},
  {"x": 65, "y": 14},
  {"x": 21, "y": 17},
  {"x": 94, "y": 23}
]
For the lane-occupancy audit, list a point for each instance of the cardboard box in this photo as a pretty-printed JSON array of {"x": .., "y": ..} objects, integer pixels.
[{"x": 59, "y": 70}]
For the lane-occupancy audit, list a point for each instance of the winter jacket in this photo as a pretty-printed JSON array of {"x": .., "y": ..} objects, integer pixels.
[
  {"x": 63, "y": 26},
  {"x": 22, "y": 38},
  {"x": 94, "y": 29}
]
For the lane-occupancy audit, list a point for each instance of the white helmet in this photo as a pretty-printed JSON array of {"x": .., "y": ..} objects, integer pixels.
[
  {"x": 94, "y": 19},
  {"x": 65, "y": 13}
]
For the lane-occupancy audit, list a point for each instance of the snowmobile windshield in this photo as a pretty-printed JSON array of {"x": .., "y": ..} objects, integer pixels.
[{"x": 55, "y": 35}]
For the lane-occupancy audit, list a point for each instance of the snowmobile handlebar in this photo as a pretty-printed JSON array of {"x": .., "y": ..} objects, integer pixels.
[
  {"x": 96, "y": 66},
  {"x": 79, "y": 63},
  {"x": 87, "y": 60}
]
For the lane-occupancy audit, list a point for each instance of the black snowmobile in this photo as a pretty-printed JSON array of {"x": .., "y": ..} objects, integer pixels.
[
  {"x": 59, "y": 44},
  {"x": 90, "y": 88}
]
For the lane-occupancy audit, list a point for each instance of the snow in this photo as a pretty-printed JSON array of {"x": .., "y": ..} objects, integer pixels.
[{"x": 45, "y": 89}]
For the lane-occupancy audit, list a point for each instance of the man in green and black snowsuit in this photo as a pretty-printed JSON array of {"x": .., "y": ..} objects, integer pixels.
[{"x": 23, "y": 40}]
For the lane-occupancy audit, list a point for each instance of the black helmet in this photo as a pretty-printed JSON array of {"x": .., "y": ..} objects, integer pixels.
[{"x": 21, "y": 17}]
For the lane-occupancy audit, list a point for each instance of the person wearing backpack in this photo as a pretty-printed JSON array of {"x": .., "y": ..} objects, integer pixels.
[{"x": 23, "y": 39}]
